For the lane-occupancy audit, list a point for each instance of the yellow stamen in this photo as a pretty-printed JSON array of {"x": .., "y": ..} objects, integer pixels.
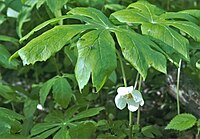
[{"x": 128, "y": 96}]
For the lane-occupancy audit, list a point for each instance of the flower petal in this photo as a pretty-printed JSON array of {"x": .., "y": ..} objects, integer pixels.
[
  {"x": 142, "y": 103},
  {"x": 132, "y": 105},
  {"x": 137, "y": 96},
  {"x": 124, "y": 90},
  {"x": 120, "y": 102}
]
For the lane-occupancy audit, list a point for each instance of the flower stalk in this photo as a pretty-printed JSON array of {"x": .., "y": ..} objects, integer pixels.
[
  {"x": 177, "y": 87},
  {"x": 138, "y": 112},
  {"x": 128, "y": 95}
]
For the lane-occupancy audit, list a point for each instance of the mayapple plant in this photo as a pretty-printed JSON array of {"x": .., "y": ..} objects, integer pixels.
[{"x": 142, "y": 35}]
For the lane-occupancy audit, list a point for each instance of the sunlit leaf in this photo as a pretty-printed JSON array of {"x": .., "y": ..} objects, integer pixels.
[
  {"x": 139, "y": 53},
  {"x": 182, "y": 122},
  {"x": 96, "y": 56},
  {"x": 50, "y": 42}
]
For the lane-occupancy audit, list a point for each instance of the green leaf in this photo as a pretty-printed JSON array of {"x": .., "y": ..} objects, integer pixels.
[
  {"x": 55, "y": 117},
  {"x": 168, "y": 36},
  {"x": 178, "y": 15},
  {"x": 45, "y": 89},
  {"x": 151, "y": 131},
  {"x": 188, "y": 27},
  {"x": 42, "y": 127},
  {"x": 39, "y": 3},
  {"x": 96, "y": 55},
  {"x": 50, "y": 42},
  {"x": 4, "y": 59},
  {"x": 9, "y": 113},
  {"x": 62, "y": 92},
  {"x": 149, "y": 10},
  {"x": 2, "y": 19},
  {"x": 63, "y": 133},
  {"x": 87, "y": 113},
  {"x": 92, "y": 13},
  {"x": 9, "y": 119},
  {"x": 25, "y": 13},
  {"x": 8, "y": 93},
  {"x": 46, "y": 134},
  {"x": 87, "y": 130},
  {"x": 114, "y": 7},
  {"x": 8, "y": 39},
  {"x": 137, "y": 50},
  {"x": 30, "y": 107},
  {"x": 71, "y": 111},
  {"x": 182, "y": 122},
  {"x": 129, "y": 16},
  {"x": 44, "y": 24},
  {"x": 193, "y": 12},
  {"x": 4, "y": 128},
  {"x": 9, "y": 136},
  {"x": 156, "y": 23},
  {"x": 56, "y": 5}
]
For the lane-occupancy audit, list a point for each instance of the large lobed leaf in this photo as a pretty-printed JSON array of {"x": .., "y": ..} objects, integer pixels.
[
  {"x": 160, "y": 25},
  {"x": 168, "y": 36},
  {"x": 137, "y": 50},
  {"x": 94, "y": 14},
  {"x": 96, "y": 56},
  {"x": 50, "y": 42}
]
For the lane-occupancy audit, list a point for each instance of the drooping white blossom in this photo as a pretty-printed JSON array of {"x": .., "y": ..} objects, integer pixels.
[{"x": 127, "y": 95}]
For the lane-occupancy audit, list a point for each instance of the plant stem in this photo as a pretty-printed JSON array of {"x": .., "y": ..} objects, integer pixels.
[
  {"x": 138, "y": 112},
  {"x": 130, "y": 124},
  {"x": 197, "y": 135},
  {"x": 125, "y": 84},
  {"x": 136, "y": 81},
  {"x": 122, "y": 68},
  {"x": 177, "y": 87}
]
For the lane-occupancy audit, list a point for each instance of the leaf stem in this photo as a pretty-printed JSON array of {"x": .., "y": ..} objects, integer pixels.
[
  {"x": 138, "y": 112},
  {"x": 177, "y": 87}
]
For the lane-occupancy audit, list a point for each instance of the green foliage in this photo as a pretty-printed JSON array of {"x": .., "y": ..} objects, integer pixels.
[
  {"x": 65, "y": 125},
  {"x": 4, "y": 59},
  {"x": 42, "y": 47},
  {"x": 96, "y": 55},
  {"x": 9, "y": 121},
  {"x": 56, "y": 6},
  {"x": 137, "y": 49},
  {"x": 154, "y": 22},
  {"x": 151, "y": 131},
  {"x": 60, "y": 89},
  {"x": 182, "y": 122},
  {"x": 71, "y": 51}
]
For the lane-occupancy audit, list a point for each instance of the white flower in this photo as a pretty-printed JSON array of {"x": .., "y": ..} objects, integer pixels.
[{"x": 130, "y": 96}]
